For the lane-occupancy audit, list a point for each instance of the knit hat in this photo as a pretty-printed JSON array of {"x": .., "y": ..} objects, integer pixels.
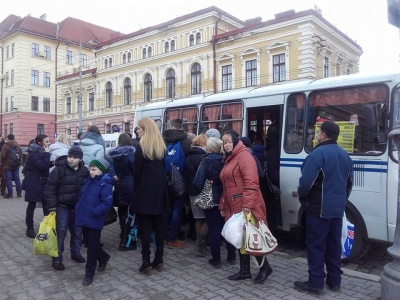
[
  {"x": 331, "y": 129},
  {"x": 75, "y": 152},
  {"x": 212, "y": 132},
  {"x": 100, "y": 163}
]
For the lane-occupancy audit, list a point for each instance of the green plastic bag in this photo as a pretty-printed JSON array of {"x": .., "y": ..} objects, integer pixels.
[{"x": 45, "y": 242}]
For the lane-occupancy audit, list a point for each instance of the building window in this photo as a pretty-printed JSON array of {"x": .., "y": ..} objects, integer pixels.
[
  {"x": 68, "y": 106},
  {"x": 326, "y": 67},
  {"x": 191, "y": 40},
  {"x": 35, "y": 49},
  {"x": 35, "y": 103},
  {"x": 91, "y": 101},
  {"x": 148, "y": 90},
  {"x": 198, "y": 38},
  {"x": 106, "y": 63},
  {"x": 8, "y": 52},
  {"x": 35, "y": 77},
  {"x": 348, "y": 72},
  {"x": 46, "y": 79},
  {"x": 337, "y": 69},
  {"x": 144, "y": 53},
  {"x": 12, "y": 77},
  {"x": 12, "y": 103},
  {"x": 127, "y": 91},
  {"x": 251, "y": 72},
  {"x": 170, "y": 93},
  {"x": 279, "y": 67},
  {"x": 11, "y": 128},
  {"x": 68, "y": 57},
  {"x": 6, "y": 105},
  {"x": 47, "y": 52},
  {"x": 108, "y": 128},
  {"x": 149, "y": 52},
  {"x": 46, "y": 104},
  {"x": 172, "y": 45},
  {"x": 12, "y": 49},
  {"x": 7, "y": 78},
  {"x": 40, "y": 129},
  {"x": 108, "y": 94},
  {"x": 127, "y": 127},
  {"x": 129, "y": 57},
  {"x": 166, "y": 47},
  {"x": 124, "y": 58},
  {"x": 83, "y": 60},
  {"x": 110, "y": 62},
  {"x": 227, "y": 77},
  {"x": 195, "y": 79}
]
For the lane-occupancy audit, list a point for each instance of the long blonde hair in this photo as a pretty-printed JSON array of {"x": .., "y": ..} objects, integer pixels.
[
  {"x": 151, "y": 141},
  {"x": 65, "y": 139}
]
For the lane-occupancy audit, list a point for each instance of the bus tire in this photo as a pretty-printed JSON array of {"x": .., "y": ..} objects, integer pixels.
[{"x": 361, "y": 244}]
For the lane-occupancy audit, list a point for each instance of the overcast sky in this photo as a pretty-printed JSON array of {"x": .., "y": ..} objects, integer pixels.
[{"x": 363, "y": 21}]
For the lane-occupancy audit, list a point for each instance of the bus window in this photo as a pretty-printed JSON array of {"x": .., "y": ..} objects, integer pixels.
[
  {"x": 224, "y": 117},
  {"x": 294, "y": 127},
  {"x": 353, "y": 110},
  {"x": 188, "y": 115}
]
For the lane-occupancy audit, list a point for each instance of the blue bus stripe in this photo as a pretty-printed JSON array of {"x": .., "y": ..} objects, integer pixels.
[
  {"x": 365, "y": 162},
  {"x": 355, "y": 169}
]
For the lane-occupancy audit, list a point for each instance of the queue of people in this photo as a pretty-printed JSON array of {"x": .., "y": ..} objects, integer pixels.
[{"x": 134, "y": 177}]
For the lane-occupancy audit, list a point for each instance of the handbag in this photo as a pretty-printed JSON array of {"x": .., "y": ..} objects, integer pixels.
[
  {"x": 258, "y": 238},
  {"x": 204, "y": 199},
  {"x": 45, "y": 242},
  {"x": 233, "y": 230},
  {"x": 111, "y": 216}
]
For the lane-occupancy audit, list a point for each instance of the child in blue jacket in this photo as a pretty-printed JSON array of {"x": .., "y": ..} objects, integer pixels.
[{"x": 95, "y": 199}]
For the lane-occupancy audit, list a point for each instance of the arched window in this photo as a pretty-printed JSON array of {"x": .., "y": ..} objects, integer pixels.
[
  {"x": 195, "y": 79},
  {"x": 148, "y": 86},
  {"x": 170, "y": 82},
  {"x": 144, "y": 53},
  {"x": 191, "y": 40},
  {"x": 198, "y": 38},
  {"x": 105, "y": 63},
  {"x": 127, "y": 91},
  {"x": 108, "y": 94},
  {"x": 124, "y": 58},
  {"x": 172, "y": 45},
  {"x": 129, "y": 57},
  {"x": 111, "y": 62},
  {"x": 149, "y": 52},
  {"x": 166, "y": 47}
]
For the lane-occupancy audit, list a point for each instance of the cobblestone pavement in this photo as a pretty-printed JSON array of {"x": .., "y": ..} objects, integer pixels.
[{"x": 24, "y": 275}]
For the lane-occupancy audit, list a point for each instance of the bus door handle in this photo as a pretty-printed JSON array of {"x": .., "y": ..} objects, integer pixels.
[{"x": 295, "y": 194}]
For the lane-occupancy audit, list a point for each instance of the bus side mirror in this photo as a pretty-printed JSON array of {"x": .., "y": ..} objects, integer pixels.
[{"x": 375, "y": 116}]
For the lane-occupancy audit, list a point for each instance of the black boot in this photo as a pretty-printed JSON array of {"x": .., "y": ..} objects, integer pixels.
[
  {"x": 146, "y": 267},
  {"x": 265, "y": 270},
  {"x": 88, "y": 279},
  {"x": 125, "y": 227},
  {"x": 244, "y": 272},
  {"x": 158, "y": 262}
]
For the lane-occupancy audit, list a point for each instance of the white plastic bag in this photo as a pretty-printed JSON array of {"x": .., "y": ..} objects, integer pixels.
[
  {"x": 347, "y": 237},
  {"x": 233, "y": 230}
]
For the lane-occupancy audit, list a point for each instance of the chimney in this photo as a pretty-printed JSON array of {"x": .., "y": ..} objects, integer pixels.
[
  {"x": 253, "y": 21},
  {"x": 43, "y": 17}
]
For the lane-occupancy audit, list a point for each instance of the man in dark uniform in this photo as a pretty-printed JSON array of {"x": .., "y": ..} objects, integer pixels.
[{"x": 324, "y": 186}]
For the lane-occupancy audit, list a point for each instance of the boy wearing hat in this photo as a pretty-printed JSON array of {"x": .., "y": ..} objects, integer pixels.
[
  {"x": 95, "y": 199},
  {"x": 61, "y": 194}
]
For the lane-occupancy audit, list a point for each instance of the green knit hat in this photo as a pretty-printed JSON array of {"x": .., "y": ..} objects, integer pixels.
[{"x": 100, "y": 163}]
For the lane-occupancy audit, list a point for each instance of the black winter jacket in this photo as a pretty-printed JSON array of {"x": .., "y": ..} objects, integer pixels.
[
  {"x": 192, "y": 163},
  {"x": 64, "y": 183},
  {"x": 121, "y": 164}
]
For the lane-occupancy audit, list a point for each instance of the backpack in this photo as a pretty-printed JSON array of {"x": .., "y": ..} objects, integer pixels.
[
  {"x": 176, "y": 156},
  {"x": 14, "y": 157}
]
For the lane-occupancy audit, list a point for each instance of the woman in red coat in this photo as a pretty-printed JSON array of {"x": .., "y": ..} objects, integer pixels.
[{"x": 241, "y": 192}]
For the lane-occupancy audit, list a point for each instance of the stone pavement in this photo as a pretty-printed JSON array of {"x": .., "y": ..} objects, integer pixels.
[{"x": 24, "y": 275}]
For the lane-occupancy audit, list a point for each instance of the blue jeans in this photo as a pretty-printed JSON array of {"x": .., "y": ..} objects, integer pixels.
[
  {"x": 323, "y": 239},
  {"x": 173, "y": 221},
  {"x": 65, "y": 219},
  {"x": 13, "y": 174}
]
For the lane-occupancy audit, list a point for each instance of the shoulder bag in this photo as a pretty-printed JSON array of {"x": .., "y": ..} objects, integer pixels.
[{"x": 204, "y": 200}]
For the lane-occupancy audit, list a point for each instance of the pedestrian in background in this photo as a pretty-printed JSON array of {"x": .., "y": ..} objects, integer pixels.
[
  {"x": 11, "y": 168},
  {"x": 92, "y": 145},
  {"x": 60, "y": 147},
  {"x": 151, "y": 192},
  {"x": 95, "y": 199},
  {"x": 36, "y": 172},
  {"x": 62, "y": 190},
  {"x": 122, "y": 159},
  {"x": 324, "y": 186}
]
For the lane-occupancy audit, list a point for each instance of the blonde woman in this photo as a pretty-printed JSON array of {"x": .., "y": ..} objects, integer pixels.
[
  {"x": 151, "y": 196},
  {"x": 60, "y": 147}
]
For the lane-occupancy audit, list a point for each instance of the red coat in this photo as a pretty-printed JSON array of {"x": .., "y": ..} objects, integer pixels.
[{"x": 241, "y": 188}]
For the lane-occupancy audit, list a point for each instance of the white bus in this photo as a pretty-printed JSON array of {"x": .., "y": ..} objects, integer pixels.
[{"x": 364, "y": 106}]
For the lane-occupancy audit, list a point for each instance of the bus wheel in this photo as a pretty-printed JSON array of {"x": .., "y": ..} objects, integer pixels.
[{"x": 361, "y": 244}]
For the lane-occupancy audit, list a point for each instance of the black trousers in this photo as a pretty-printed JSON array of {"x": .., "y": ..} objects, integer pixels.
[
  {"x": 149, "y": 223},
  {"x": 95, "y": 252}
]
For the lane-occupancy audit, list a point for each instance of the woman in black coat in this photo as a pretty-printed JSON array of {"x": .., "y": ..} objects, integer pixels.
[
  {"x": 36, "y": 172},
  {"x": 151, "y": 194},
  {"x": 122, "y": 159}
]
